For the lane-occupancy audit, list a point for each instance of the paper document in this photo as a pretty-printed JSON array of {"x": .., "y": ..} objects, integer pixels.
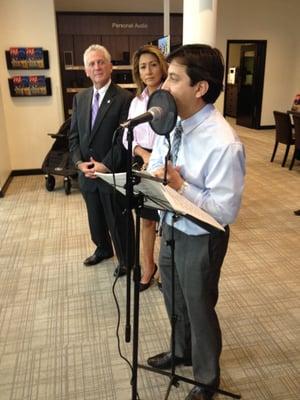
[
  {"x": 161, "y": 197},
  {"x": 118, "y": 180},
  {"x": 186, "y": 207},
  {"x": 150, "y": 190}
]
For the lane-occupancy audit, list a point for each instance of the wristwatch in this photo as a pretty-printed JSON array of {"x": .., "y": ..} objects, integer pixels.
[{"x": 183, "y": 187}]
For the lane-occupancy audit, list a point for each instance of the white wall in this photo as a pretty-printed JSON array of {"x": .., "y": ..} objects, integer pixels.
[
  {"x": 5, "y": 166},
  {"x": 117, "y": 6},
  {"x": 296, "y": 76},
  {"x": 276, "y": 21},
  {"x": 27, "y": 121}
]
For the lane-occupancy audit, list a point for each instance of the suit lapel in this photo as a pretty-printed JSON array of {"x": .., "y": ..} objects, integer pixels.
[{"x": 105, "y": 106}]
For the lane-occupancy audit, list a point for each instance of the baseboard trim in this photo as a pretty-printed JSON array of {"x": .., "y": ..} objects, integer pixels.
[
  {"x": 18, "y": 172},
  {"x": 5, "y": 186},
  {"x": 24, "y": 172},
  {"x": 266, "y": 127}
]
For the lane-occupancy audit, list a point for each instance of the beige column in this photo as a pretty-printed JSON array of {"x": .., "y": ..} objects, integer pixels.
[
  {"x": 199, "y": 21},
  {"x": 166, "y": 17}
]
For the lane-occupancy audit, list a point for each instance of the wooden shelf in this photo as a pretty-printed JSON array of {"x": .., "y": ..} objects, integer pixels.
[
  {"x": 115, "y": 67},
  {"x": 74, "y": 68},
  {"x": 122, "y": 67},
  {"x": 122, "y": 85},
  {"x": 127, "y": 85},
  {"x": 74, "y": 90}
]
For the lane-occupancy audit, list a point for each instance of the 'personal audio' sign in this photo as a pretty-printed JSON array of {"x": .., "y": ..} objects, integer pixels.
[
  {"x": 135, "y": 25},
  {"x": 117, "y": 24}
]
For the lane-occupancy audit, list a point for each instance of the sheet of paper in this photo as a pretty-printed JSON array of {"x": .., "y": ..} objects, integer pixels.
[
  {"x": 186, "y": 207},
  {"x": 153, "y": 193},
  {"x": 118, "y": 180},
  {"x": 159, "y": 196}
]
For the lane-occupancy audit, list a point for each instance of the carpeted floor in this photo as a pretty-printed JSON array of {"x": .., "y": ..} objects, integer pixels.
[{"x": 58, "y": 318}]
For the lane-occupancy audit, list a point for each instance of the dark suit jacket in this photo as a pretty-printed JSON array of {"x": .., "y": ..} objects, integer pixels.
[{"x": 97, "y": 143}]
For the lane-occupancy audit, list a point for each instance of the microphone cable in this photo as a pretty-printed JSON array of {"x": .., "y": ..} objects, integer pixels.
[{"x": 114, "y": 293}]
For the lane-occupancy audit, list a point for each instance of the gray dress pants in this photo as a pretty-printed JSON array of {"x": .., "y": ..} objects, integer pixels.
[{"x": 198, "y": 261}]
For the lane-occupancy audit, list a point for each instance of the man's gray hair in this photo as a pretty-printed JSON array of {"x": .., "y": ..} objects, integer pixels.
[{"x": 96, "y": 47}]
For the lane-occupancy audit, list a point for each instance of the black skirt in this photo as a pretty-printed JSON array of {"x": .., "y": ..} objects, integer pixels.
[
  {"x": 150, "y": 213},
  {"x": 146, "y": 213}
]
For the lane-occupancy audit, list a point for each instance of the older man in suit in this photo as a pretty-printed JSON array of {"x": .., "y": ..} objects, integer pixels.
[{"x": 97, "y": 113}]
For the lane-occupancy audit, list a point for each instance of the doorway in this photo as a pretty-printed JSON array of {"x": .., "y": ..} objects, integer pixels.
[{"x": 245, "y": 68}]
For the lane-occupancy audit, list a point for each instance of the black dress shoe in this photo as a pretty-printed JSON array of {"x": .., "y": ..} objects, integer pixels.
[
  {"x": 97, "y": 257},
  {"x": 197, "y": 393},
  {"x": 121, "y": 270},
  {"x": 164, "y": 361},
  {"x": 144, "y": 286}
]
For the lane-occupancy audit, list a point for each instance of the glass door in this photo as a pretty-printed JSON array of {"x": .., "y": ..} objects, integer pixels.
[{"x": 250, "y": 85}]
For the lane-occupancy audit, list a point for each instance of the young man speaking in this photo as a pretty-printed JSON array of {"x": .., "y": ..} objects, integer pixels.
[{"x": 208, "y": 170}]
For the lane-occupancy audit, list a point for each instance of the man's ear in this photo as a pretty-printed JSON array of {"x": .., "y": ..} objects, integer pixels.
[
  {"x": 86, "y": 72},
  {"x": 202, "y": 88}
]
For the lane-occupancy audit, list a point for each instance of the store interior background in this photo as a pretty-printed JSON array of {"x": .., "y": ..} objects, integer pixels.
[{"x": 25, "y": 122}]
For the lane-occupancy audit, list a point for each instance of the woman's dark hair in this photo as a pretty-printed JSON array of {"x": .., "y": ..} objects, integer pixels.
[{"x": 203, "y": 63}]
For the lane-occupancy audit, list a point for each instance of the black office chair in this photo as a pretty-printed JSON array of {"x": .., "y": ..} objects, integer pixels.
[
  {"x": 296, "y": 119},
  {"x": 284, "y": 133}
]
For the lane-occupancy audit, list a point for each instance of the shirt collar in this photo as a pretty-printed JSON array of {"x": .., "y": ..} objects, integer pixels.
[
  {"x": 103, "y": 89},
  {"x": 145, "y": 92},
  {"x": 196, "y": 119}
]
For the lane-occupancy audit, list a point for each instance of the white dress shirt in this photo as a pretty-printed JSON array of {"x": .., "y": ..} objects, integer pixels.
[
  {"x": 143, "y": 134},
  {"x": 101, "y": 92}
]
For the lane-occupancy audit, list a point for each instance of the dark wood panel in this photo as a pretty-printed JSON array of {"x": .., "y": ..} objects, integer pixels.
[
  {"x": 176, "y": 40},
  {"x": 81, "y": 43},
  {"x": 231, "y": 100},
  {"x": 116, "y": 24},
  {"x": 137, "y": 41},
  {"x": 176, "y": 23},
  {"x": 66, "y": 42},
  {"x": 116, "y": 45},
  {"x": 66, "y": 45}
]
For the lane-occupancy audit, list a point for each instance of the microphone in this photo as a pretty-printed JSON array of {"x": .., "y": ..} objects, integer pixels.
[
  {"x": 153, "y": 114},
  {"x": 163, "y": 100}
]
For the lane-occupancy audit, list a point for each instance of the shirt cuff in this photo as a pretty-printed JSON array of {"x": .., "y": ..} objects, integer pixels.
[{"x": 191, "y": 192}]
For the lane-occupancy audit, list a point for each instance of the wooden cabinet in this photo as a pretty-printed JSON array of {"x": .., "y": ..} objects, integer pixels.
[
  {"x": 122, "y": 34},
  {"x": 231, "y": 100}
]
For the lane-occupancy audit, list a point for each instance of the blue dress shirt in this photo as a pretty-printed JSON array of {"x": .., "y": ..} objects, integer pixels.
[{"x": 212, "y": 160}]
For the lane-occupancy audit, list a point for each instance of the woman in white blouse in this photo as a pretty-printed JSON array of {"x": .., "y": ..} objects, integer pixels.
[{"x": 149, "y": 71}]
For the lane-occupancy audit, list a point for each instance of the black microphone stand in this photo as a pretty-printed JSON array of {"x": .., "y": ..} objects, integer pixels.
[
  {"x": 133, "y": 202},
  {"x": 129, "y": 199}
]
